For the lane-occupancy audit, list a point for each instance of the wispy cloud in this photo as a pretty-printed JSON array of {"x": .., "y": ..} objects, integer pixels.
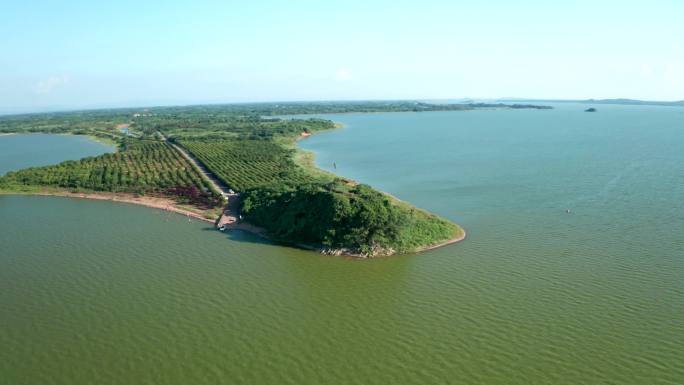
[
  {"x": 343, "y": 74},
  {"x": 51, "y": 83}
]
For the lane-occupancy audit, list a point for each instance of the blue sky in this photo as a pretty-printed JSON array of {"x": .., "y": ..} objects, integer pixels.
[{"x": 76, "y": 54}]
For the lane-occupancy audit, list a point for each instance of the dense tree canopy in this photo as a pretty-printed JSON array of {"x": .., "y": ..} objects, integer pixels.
[{"x": 339, "y": 216}]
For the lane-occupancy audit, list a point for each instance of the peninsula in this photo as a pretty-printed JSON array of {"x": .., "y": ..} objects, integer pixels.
[{"x": 238, "y": 166}]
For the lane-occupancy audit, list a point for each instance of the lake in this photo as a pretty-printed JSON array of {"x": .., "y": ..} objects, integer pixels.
[
  {"x": 21, "y": 151},
  {"x": 100, "y": 292}
]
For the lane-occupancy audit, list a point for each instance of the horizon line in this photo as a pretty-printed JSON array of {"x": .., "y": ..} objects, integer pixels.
[{"x": 461, "y": 100}]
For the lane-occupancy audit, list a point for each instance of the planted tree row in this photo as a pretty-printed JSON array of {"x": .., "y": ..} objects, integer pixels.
[
  {"x": 246, "y": 164},
  {"x": 142, "y": 167}
]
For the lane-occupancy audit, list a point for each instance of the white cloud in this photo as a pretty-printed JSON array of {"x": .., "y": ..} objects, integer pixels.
[
  {"x": 343, "y": 74},
  {"x": 50, "y": 84}
]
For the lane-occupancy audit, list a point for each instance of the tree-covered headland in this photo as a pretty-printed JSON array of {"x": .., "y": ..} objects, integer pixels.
[{"x": 251, "y": 151}]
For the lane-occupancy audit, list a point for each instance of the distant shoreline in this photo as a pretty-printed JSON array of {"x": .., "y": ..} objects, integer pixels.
[{"x": 617, "y": 102}]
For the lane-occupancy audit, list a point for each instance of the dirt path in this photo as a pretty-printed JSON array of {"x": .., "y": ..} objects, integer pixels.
[
  {"x": 231, "y": 213},
  {"x": 213, "y": 180}
]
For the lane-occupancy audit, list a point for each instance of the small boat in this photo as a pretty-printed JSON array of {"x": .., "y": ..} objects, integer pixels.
[
  {"x": 592, "y": 109},
  {"x": 222, "y": 228}
]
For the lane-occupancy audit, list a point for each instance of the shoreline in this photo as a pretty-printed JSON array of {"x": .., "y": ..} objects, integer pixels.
[
  {"x": 503, "y": 106},
  {"x": 169, "y": 205},
  {"x": 109, "y": 142},
  {"x": 445, "y": 243},
  {"x": 349, "y": 254},
  {"x": 306, "y": 160},
  {"x": 160, "y": 203}
]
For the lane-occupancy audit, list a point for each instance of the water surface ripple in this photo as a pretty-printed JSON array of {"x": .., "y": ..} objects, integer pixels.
[{"x": 99, "y": 292}]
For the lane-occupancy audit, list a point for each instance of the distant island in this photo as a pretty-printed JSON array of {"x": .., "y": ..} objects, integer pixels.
[
  {"x": 237, "y": 166},
  {"x": 592, "y": 109}
]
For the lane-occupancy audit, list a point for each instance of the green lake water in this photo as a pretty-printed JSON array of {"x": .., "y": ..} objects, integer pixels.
[{"x": 104, "y": 293}]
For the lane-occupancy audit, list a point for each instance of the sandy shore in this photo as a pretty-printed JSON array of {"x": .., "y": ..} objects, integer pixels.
[{"x": 165, "y": 204}]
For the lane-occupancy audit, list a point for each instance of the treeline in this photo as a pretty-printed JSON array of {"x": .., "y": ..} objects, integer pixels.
[
  {"x": 255, "y": 111},
  {"x": 141, "y": 167},
  {"x": 260, "y": 121},
  {"x": 224, "y": 125},
  {"x": 377, "y": 106},
  {"x": 65, "y": 122},
  {"x": 227, "y": 121},
  {"x": 338, "y": 216}
]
